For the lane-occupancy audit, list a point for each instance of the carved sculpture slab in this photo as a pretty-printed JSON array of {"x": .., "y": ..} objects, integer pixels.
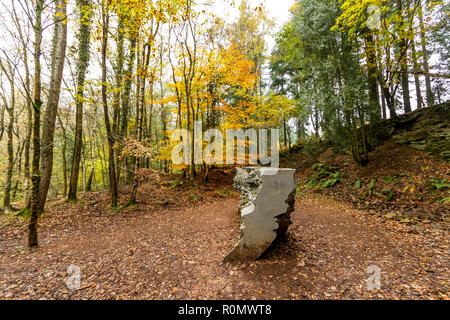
[{"x": 267, "y": 201}]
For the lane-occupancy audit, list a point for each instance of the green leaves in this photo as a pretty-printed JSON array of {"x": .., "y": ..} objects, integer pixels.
[
  {"x": 391, "y": 179},
  {"x": 331, "y": 183},
  {"x": 387, "y": 192},
  {"x": 440, "y": 184},
  {"x": 324, "y": 176},
  {"x": 371, "y": 186}
]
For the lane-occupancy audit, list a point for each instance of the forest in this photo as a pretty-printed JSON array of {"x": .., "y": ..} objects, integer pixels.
[{"x": 93, "y": 92}]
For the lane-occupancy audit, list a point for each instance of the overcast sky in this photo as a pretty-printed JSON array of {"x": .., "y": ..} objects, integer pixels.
[{"x": 278, "y": 11}]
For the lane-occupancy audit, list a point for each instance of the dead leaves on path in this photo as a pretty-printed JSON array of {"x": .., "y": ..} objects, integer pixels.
[{"x": 175, "y": 251}]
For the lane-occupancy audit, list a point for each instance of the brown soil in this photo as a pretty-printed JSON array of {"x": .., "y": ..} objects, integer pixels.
[
  {"x": 172, "y": 244},
  {"x": 404, "y": 172}
]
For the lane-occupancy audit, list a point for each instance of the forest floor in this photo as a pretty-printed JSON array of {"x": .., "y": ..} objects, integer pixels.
[{"x": 172, "y": 244}]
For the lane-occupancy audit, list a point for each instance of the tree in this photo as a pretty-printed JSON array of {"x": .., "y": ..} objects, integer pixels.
[
  {"x": 9, "y": 71},
  {"x": 109, "y": 132},
  {"x": 326, "y": 76},
  {"x": 395, "y": 38},
  {"x": 49, "y": 121},
  {"x": 37, "y": 104},
  {"x": 249, "y": 33},
  {"x": 24, "y": 39},
  {"x": 84, "y": 33}
]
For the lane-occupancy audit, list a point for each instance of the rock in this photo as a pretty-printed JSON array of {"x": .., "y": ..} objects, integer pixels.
[
  {"x": 267, "y": 200},
  {"x": 445, "y": 155},
  {"x": 426, "y": 129},
  {"x": 228, "y": 290}
]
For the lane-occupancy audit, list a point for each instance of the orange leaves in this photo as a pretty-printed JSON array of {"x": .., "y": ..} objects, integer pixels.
[
  {"x": 220, "y": 74},
  {"x": 237, "y": 68}
]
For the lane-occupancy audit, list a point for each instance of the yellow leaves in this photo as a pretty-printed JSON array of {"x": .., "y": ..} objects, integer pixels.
[
  {"x": 405, "y": 220},
  {"x": 411, "y": 188},
  {"x": 137, "y": 14},
  {"x": 270, "y": 111},
  {"x": 356, "y": 15},
  {"x": 380, "y": 17}
]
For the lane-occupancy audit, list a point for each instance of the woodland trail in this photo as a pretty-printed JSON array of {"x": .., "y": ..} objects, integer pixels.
[{"x": 177, "y": 254}]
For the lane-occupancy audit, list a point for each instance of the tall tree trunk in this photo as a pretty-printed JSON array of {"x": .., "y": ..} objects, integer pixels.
[
  {"x": 426, "y": 69},
  {"x": 163, "y": 109},
  {"x": 101, "y": 156},
  {"x": 37, "y": 104},
  {"x": 416, "y": 77},
  {"x": 372, "y": 71},
  {"x": 118, "y": 69},
  {"x": 111, "y": 165},
  {"x": 365, "y": 159},
  {"x": 29, "y": 122},
  {"x": 83, "y": 62},
  {"x": 139, "y": 115},
  {"x": 405, "y": 88},
  {"x": 383, "y": 105},
  {"x": 127, "y": 92},
  {"x": 26, "y": 165},
  {"x": 19, "y": 169},
  {"x": 63, "y": 155},
  {"x": 92, "y": 171},
  {"x": 403, "y": 67},
  {"x": 48, "y": 129},
  {"x": 83, "y": 165},
  {"x": 27, "y": 147},
  {"x": 9, "y": 168},
  {"x": 390, "y": 101}
]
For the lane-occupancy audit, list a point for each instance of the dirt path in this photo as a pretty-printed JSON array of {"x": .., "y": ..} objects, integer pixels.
[{"x": 177, "y": 254}]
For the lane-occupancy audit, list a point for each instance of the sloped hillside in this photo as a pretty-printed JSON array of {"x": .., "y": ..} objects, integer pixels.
[
  {"x": 425, "y": 129},
  {"x": 407, "y": 178}
]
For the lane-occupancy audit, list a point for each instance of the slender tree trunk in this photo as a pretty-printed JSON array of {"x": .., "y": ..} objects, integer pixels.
[
  {"x": 48, "y": 129},
  {"x": 63, "y": 155},
  {"x": 27, "y": 147},
  {"x": 388, "y": 96},
  {"x": 83, "y": 165},
  {"x": 383, "y": 105},
  {"x": 416, "y": 77},
  {"x": 111, "y": 165},
  {"x": 351, "y": 133},
  {"x": 405, "y": 80},
  {"x": 127, "y": 92},
  {"x": 163, "y": 109},
  {"x": 139, "y": 112},
  {"x": 426, "y": 69},
  {"x": 92, "y": 171},
  {"x": 118, "y": 92},
  {"x": 365, "y": 160},
  {"x": 372, "y": 71},
  {"x": 37, "y": 104},
  {"x": 19, "y": 170},
  {"x": 83, "y": 62},
  {"x": 99, "y": 154},
  {"x": 403, "y": 67},
  {"x": 29, "y": 122},
  {"x": 150, "y": 119},
  {"x": 9, "y": 168}
]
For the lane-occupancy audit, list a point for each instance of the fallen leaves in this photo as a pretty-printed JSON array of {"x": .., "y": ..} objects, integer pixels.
[{"x": 154, "y": 251}]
